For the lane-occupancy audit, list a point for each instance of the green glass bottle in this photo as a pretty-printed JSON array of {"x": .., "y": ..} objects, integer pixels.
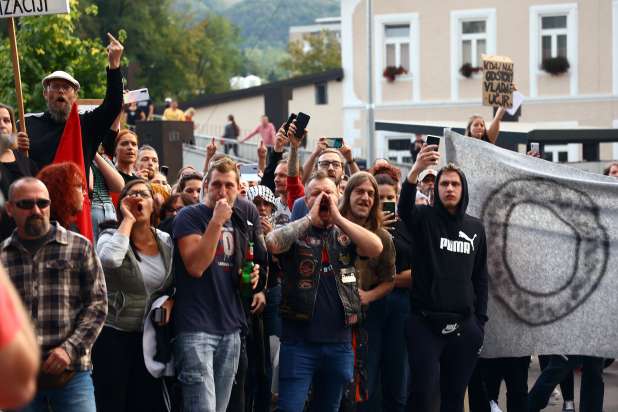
[{"x": 246, "y": 290}]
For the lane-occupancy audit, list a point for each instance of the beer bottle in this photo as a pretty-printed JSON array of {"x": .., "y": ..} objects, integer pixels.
[{"x": 246, "y": 290}]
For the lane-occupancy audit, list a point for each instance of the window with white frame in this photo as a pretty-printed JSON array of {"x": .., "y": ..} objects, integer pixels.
[
  {"x": 473, "y": 41},
  {"x": 397, "y": 45},
  {"x": 554, "y": 31}
]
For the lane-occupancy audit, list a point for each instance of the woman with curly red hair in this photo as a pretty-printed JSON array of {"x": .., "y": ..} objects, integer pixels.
[{"x": 66, "y": 188}]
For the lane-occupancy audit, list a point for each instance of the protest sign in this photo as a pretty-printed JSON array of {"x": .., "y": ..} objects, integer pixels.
[
  {"x": 497, "y": 81},
  {"x": 23, "y": 8},
  {"x": 552, "y": 242}
]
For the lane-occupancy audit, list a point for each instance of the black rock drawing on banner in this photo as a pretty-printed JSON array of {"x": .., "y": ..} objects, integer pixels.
[{"x": 572, "y": 207}]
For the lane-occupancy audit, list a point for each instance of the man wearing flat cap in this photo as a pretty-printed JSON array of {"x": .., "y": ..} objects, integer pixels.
[{"x": 60, "y": 90}]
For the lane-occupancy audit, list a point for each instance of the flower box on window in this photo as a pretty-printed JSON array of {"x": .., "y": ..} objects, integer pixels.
[
  {"x": 555, "y": 65},
  {"x": 391, "y": 72},
  {"x": 467, "y": 70}
]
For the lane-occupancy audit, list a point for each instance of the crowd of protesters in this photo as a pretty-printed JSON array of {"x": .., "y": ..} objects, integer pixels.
[{"x": 154, "y": 315}]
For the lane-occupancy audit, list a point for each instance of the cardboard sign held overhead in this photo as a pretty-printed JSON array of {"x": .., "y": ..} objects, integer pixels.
[
  {"x": 497, "y": 81},
  {"x": 24, "y": 8}
]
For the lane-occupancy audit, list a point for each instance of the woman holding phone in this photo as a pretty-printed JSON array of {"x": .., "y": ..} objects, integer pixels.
[{"x": 136, "y": 259}]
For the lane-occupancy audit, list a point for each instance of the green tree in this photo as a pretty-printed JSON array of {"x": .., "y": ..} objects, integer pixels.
[
  {"x": 321, "y": 52},
  {"x": 265, "y": 63},
  {"x": 48, "y": 43},
  {"x": 171, "y": 52}
]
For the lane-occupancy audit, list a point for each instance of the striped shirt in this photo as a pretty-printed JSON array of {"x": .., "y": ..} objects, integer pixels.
[{"x": 63, "y": 289}]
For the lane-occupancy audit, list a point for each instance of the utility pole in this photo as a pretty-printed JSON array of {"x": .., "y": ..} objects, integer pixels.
[{"x": 371, "y": 153}]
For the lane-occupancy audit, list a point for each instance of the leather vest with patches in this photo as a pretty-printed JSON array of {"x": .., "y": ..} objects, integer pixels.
[{"x": 303, "y": 265}]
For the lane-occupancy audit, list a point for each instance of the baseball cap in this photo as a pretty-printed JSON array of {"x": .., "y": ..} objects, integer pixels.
[
  {"x": 261, "y": 191},
  {"x": 59, "y": 74},
  {"x": 422, "y": 175}
]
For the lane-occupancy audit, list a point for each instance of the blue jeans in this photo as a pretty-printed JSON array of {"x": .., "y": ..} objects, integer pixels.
[
  {"x": 592, "y": 387},
  {"x": 101, "y": 212},
  {"x": 332, "y": 364},
  {"x": 206, "y": 366},
  {"x": 76, "y": 396},
  {"x": 387, "y": 353}
]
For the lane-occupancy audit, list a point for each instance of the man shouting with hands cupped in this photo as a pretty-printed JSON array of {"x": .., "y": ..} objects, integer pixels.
[
  {"x": 320, "y": 298},
  {"x": 212, "y": 240}
]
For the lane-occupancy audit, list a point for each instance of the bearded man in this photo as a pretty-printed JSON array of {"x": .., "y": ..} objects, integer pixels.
[{"x": 60, "y": 91}]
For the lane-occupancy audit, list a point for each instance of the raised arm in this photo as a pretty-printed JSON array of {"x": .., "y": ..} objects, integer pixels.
[
  {"x": 261, "y": 154},
  {"x": 310, "y": 162},
  {"x": 106, "y": 113},
  {"x": 346, "y": 152},
  {"x": 494, "y": 128},
  {"x": 294, "y": 185},
  {"x": 406, "y": 207},
  {"x": 211, "y": 149},
  {"x": 275, "y": 155},
  {"x": 113, "y": 179}
]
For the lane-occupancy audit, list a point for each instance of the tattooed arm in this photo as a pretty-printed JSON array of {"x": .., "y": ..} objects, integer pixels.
[{"x": 280, "y": 240}]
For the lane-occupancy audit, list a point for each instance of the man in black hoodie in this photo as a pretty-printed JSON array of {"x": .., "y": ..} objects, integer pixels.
[{"x": 448, "y": 298}]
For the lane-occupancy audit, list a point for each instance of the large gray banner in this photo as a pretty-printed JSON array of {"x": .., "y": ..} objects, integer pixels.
[{"x": 552, "y": 240}]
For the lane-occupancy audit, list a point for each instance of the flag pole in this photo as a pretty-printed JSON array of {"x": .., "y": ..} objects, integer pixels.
[{"x": 16, "y": 73}]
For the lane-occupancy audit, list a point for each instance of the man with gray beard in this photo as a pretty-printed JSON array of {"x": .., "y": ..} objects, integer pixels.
[
  {"x": 61, "y": 282},
  {"x": 60, "y": 91}
]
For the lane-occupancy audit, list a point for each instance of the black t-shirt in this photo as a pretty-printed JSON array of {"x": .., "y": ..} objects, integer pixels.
[{"x": 211, "y": 303}]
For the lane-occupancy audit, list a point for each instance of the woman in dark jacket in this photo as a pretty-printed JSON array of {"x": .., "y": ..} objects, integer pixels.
[{"x": 137, "y": 260}]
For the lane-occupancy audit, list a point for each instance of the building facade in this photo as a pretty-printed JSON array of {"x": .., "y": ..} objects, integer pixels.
[{"x": 432, "y": 41}]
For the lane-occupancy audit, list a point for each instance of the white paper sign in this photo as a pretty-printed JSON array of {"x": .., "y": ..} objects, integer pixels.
[
  {"x": 518, "y": 99},
  {"x": 24, "y": 8}
]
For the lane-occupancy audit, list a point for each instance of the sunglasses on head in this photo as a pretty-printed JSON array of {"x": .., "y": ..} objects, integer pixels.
[{"x": 29, "y": 203}]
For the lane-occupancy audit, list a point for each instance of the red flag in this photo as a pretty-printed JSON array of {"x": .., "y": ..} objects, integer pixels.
[{"x": 70, "y": 150}]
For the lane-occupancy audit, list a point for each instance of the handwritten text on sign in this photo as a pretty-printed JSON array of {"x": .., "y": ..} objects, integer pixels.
[
  {"x": 22, "y": 8},
  {"x": 497, "y": 81}
]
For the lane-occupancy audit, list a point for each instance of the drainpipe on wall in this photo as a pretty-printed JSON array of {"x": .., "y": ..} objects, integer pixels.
[{"x": 370, "y": 106}]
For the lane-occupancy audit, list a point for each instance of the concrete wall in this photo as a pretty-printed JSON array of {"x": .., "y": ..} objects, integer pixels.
[
  {"x": 326, "y": 120},
  {"x": 210, "y": 120}
]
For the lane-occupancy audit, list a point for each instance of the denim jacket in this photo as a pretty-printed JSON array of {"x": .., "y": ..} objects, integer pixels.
[{"x": 302, "y": 265}]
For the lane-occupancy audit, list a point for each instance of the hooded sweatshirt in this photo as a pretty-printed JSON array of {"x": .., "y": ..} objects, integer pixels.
[{"x": 450, "y": 255}]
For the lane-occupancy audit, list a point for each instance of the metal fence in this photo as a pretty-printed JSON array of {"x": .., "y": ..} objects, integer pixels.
[{"x": 195, "y": 155}]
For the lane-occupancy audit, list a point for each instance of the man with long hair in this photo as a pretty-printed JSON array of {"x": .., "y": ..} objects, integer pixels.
[{"x": 361, "y": 205}]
